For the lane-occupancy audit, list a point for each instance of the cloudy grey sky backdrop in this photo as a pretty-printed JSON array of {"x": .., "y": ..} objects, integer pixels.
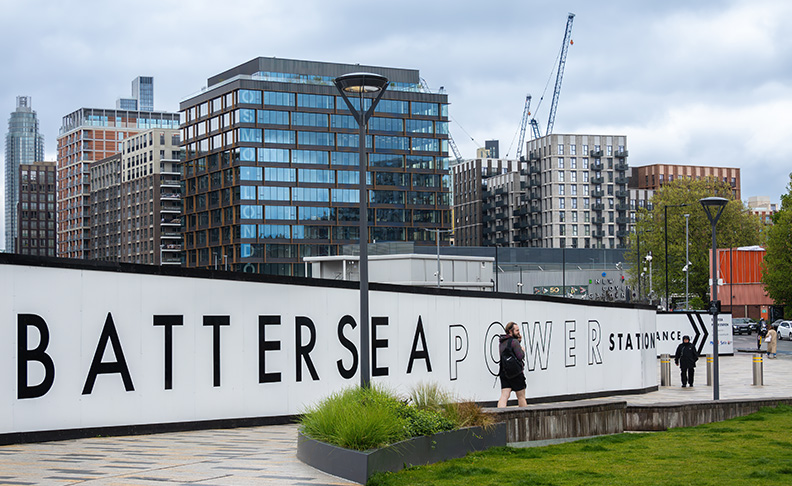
[{"x": 704, "y": 82}]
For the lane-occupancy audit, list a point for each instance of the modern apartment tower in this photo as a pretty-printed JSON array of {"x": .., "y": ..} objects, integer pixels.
[
  {"x": 36, "y": 209},
  {"x": 576, "y": 192},
  {"x": 136, "y": 201},
  {"x": 655, "y": 175},
  {"x": 271, "y": 168},
  {"x": 88, "y": 135},
  {"x": 23, "y": 145},
  {"x": 471, "y": 194}
]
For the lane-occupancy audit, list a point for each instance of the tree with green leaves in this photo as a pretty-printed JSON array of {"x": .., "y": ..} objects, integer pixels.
[
  {"x": 736, "y": 227},
  {"x": 777, "y": 265}
]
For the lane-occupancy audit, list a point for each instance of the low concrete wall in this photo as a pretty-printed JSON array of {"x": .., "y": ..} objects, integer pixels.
[
  {"x": 688, "y": 414},
  {"x": 594, "y": 417},
  {"x": 562, "y": 420}
]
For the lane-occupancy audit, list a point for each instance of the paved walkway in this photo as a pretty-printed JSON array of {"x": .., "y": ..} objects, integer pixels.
[{"x": 267, "y": 455}]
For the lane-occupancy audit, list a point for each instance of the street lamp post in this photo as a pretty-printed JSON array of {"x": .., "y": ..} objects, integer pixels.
[
  {"x": 648, "y": 259},
  {"x": 437, "y": 237},
  {"x": 358, "y": 84},
  {"x": 687, "y": 261},
  {"x": 716, "y": 205},
  {"x": 665, "y": 235}
]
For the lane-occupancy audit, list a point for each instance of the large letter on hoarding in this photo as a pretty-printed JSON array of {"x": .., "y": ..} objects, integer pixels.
[
  {"x": 423, "y": 353},
  {"x": 537, "y": 343},
  {"x": 458, "y": 343},
  {"x": 110, "y": 334},
  {"x": 39, "y": 353}
]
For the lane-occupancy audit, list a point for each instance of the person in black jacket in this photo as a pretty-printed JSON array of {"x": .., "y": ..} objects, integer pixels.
[
  {"x": 686, "y": 357},
  {"x": 516, "y": 383}
]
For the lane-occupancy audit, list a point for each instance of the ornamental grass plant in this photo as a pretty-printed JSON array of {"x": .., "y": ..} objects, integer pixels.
[{"x": 373, "y": 417}]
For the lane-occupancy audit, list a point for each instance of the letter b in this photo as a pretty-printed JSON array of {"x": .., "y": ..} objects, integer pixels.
[{"x": 25, "y": 355}]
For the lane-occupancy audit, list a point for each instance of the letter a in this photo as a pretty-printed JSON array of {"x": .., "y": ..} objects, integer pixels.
[{"x": 109, "y": 333}]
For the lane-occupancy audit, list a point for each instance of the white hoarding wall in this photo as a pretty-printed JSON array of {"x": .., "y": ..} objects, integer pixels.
[
  {"x": 673, "y": 326},
  {"x": 116, "y": 349}
]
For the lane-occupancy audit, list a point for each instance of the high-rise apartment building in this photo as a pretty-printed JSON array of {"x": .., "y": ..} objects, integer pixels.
[
  {"x": 106, "y": 210},
  {"x": 136, "y": 201},
  {"x": 88, "y": 135},
  {"x": 23, "y": 145},
  {"x": 576, "y": 192},
  {"x": 655, "y": 175},
  {"x": 271, "y": 167},
  {"x": 36, "y": 209},
  {"x": 143, "y": 92},
  {"x": 470, "y": 190}
]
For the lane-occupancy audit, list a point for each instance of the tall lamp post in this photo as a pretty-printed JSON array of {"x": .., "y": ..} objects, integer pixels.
[
  {"x": 360, "y": 84},
  {"x": 687, "y": 261},
  {"x": 437, "y": 237},
  {"x": 665, "y": 235},
  {"x": 713, "y": 206}
]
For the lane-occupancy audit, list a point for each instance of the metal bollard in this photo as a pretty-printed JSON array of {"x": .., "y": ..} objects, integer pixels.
[
  {"x": 710, "y": 370},
  {"x": 665, "y": 369},
  {"x": 758, "y": 370}
]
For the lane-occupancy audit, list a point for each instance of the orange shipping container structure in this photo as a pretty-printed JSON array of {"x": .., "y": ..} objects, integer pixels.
[{"x": 740, "y": 287}]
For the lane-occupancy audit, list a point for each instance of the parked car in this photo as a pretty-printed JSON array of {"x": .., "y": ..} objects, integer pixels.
[
  {"x": 784, "y": 330},
  {"x": 741, "y": 325}
]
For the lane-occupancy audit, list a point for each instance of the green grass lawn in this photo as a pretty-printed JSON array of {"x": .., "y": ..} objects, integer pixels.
[{"x": 755, "y": 449}]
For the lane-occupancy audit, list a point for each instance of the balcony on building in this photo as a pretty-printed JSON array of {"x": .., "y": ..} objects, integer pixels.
[
  {"x": 622, "y": 207},
  {"x": 595, "y": 153},
  {"x": 622, "y": 180},
  {"x": 621, "y": 166},
  {"x": 597, "y": 180},
  {"x": 622, "y": 194},
  {"x": 597, "y": 206},
  {"x": 535, "y": 169},
  {"x": 621, "y": 153},
  {"x": 597, "y": 193}
]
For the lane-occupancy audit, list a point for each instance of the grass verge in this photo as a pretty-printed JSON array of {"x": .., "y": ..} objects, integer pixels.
[{"x": 754, "y": 449}]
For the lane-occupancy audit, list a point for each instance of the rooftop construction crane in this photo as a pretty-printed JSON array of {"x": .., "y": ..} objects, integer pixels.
[
  {"x": 560, "y": 75},
  {"x": 559, "y": 78},
  {"x": 523, "y": 123},
  {"x": 457, "y": 154}
]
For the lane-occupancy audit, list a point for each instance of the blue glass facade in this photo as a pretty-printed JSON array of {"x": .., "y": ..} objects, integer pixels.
[
  {"x": 287, "y": 152},
  {"x": 23, "y": 145}
]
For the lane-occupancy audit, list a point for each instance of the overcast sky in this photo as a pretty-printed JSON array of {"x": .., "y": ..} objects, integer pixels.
[{"x": 701, "y": 82}]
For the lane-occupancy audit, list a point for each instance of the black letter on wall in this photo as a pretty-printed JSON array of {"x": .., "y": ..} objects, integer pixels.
[
  {"x": 24, "y": 355},
  {"x": 376, "y": 344},
  {"x": 109, "y": 333},
  {"x": 345, "y": 342},
  {"x": 216, "y": 322},
  {"x": 303, "y": 352},
  {"x": 168, "y": 322},
  {"x": 265, "y": 346},
  {"x": 424, "y": 353}
]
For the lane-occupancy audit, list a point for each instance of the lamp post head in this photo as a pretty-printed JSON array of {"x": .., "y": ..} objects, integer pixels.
[
  {"x": 713, "y": 204},
  {"x": 361, "y": 83}
]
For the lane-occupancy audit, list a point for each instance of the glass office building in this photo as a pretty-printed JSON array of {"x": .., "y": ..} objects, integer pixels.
[
  {"x": 271, "y": 170},
  {"x": 23, "y": 145}
]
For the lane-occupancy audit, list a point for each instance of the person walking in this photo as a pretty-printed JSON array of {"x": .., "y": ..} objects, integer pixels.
[
  {"x": 772, "y": 341},
  {"x": 512, "y": 362},
  {"x": 686, "y": 357},
  {"x": 761, "y": 332}
]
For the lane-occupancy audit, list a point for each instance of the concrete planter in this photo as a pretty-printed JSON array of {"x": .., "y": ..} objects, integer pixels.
[{"x": 360, "y": 466}]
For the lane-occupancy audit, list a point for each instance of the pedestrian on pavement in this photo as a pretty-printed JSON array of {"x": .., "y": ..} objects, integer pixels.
[
  {"x": 512, "y": 359},
  {"x": 686, "y": 357},
  {"x": 772, "y": 341},
  {"x": 761, "y": 332}
]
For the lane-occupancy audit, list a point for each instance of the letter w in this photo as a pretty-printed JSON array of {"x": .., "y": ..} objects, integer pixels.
[{"x": 537, "y": 343}]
